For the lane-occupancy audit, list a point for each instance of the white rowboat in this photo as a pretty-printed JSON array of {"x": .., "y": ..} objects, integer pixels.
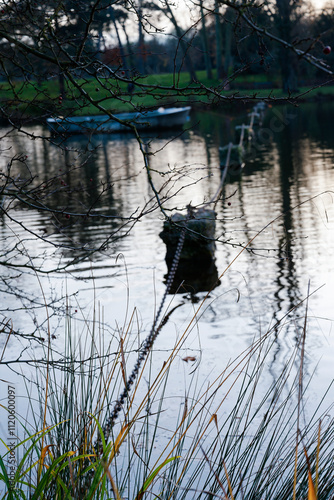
[{"x": 157, "y": 119}]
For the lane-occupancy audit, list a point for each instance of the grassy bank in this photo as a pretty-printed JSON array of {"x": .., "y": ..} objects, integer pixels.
[{"x": 86, "y": 97}]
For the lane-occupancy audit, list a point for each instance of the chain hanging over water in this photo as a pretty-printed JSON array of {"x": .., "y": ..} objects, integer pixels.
[{"x": 148, "y": 343}]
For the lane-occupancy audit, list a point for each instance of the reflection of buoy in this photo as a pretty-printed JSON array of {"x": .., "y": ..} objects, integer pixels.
[{"x": 196, "y": 267}]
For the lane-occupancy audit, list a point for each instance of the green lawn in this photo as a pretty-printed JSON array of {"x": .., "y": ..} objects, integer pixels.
[{"x": 86, "y": 97}]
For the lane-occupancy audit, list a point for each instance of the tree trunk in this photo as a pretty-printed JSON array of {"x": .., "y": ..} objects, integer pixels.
[
  {"x": 228, "y": 44},
  {"x": 184, "y": 45},
  {"x": 288, "y": 63},
  {"x": 207, "y": 58},
  {"x": 120, "y": 45},
  {"x": 219, "y": 43},
  {"x": 141, "y": 42},
  {"x": 128, "y": 47}
]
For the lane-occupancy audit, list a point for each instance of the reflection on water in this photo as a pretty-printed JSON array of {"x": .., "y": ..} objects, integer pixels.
[{"x": 287, "y": 180}]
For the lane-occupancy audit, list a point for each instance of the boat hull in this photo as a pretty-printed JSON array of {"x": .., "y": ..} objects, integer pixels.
[{"x": 158, "y": 119}]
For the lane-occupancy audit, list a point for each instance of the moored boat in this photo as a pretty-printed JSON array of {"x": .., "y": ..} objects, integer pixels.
[{"x": 158, "y": 119}]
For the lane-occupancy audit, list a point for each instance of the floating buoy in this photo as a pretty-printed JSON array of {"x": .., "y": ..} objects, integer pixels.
[{"x": 196, "y": 267}]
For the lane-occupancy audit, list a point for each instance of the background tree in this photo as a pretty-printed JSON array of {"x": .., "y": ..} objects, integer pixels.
[
  {"x": 184, "y": 37},
  {"x": 286, "y": 18},
  {"x": 206, "y": 50},
  {"x": 219, "y": 44}
]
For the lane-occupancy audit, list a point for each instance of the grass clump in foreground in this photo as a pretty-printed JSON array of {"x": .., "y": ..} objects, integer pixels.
[{"x": 258, "y": 449}]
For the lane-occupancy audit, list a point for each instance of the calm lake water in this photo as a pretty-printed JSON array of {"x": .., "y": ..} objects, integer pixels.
[{"x": 288, "y": 180}]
